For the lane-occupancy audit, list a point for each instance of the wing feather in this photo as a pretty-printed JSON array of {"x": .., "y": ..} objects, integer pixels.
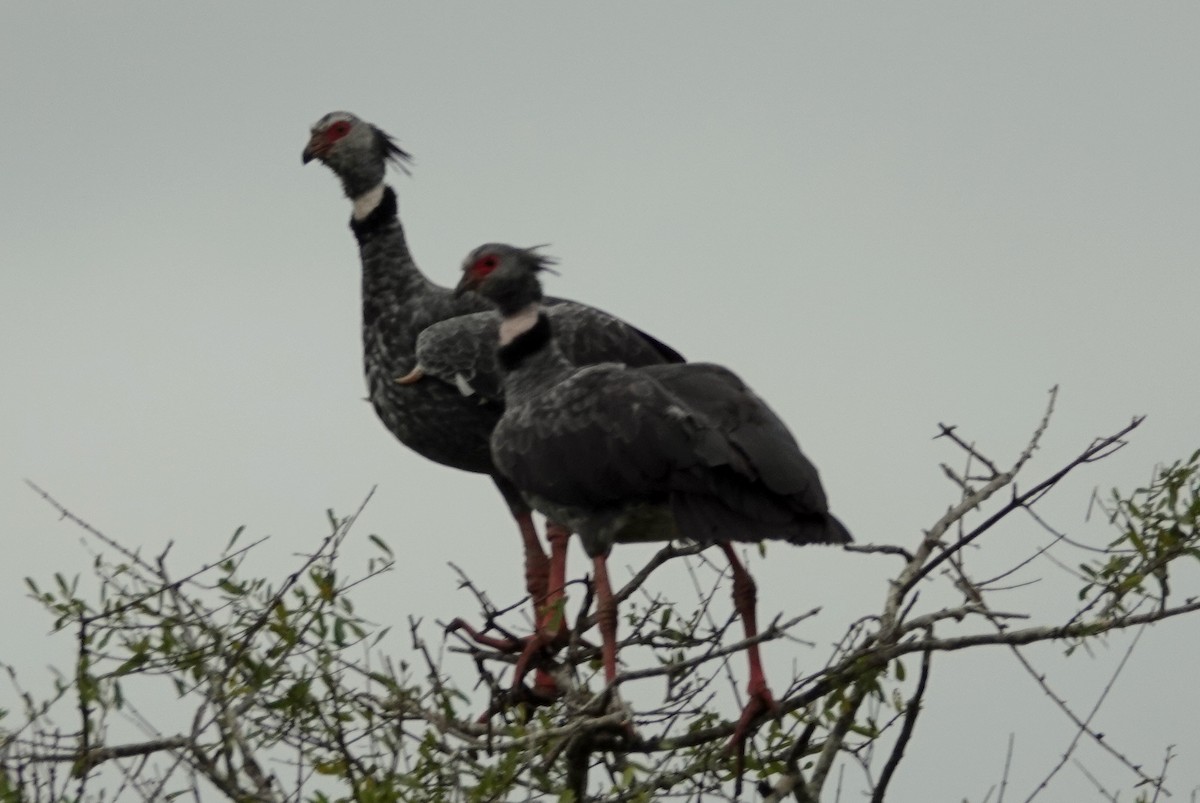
[{"x": 461, "y": 351}]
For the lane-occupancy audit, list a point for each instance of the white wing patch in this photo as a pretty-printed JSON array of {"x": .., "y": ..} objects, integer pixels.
[
  {"x": 464, "y": 387},
  {"x": 677, "y": 412}
]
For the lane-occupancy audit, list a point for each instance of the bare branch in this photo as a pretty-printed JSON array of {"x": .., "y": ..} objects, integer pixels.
[
  {"x": 906, "y": 731},
  {"x": 1099, "y": 449},
  {"x": 98, "y": 755},
  {"x": 1084, "y": 726}
]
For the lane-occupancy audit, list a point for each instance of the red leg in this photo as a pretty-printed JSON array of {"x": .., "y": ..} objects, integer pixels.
[
  {"x": 537, "y": 565},
  {"x": 538, "y": 569},
  {"x": 745, "y": 598},
  {"x": 606, "y": 617},
  {"x": 551, "y": 629},
  {"x": 537, "y": 581},
  {"x": 553, "y": 620}
]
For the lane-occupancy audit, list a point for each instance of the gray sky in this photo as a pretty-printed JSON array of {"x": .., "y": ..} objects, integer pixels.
[{"x": 881, "y": 217}]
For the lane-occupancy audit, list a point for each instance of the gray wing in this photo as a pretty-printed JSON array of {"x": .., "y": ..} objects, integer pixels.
[
  {"x": 588, "y": 336},
  {"x": 462, "y": 351},
  {"x": 691, "y": 436},
  {"x": 754, "y": 441},
  {"x": 751, "y": 481},
  {"x": 602, "y": 437}
]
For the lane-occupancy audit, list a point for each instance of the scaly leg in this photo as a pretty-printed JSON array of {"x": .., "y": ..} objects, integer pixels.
[
  {"x": 538, "y": 569},
  {"x": 606, "y": 620},
  {"x": 606, "y": 617},
  {"x": 745, "y": 598},
  {"x": 551, "y": 622}
]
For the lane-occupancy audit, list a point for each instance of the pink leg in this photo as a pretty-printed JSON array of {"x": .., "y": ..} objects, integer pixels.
[
  {"x": 538, "y": 570},
  {"x": 537, "y": 581},
  {"x": 537, "y": 565},
  {"x": 551, "y": 627},
  {"x": 606, "y": 617},
  {"x": 553, "y": 622},
  {"x": 745, "y": 598}
]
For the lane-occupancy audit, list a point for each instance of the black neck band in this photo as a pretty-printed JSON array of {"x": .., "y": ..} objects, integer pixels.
[
  {"x": 525, "y": 344},
  {"x": 380, "y": 216}
]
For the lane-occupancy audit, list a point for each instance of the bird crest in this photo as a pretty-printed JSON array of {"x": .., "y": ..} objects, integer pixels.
[{"x": 392, "y": 152}]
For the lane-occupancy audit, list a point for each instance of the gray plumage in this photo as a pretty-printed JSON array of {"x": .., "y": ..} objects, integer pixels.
[
  {"x": 399, "y": 302},
  {"x": 462, "y": 351},
  {"x": 622, "y": 454}
]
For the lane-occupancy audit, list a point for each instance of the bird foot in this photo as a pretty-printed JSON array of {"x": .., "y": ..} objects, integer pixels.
[
  {"x": 761, "y": 702},
  {"x": 536, "y": 653},
  {"x": 609, "y": 704},
  {"x": 544, "y": 691},
  {"x": 538, "y": 650},
  {"x": 505, "y": 644}
]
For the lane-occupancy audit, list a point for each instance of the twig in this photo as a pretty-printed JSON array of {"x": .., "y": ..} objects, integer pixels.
[
  {"x": 1099, "y": 449},
  {"x": 884, "y": 549},
  {"x": 774, "y": 631},
  {"x": 1162, "y": 776},
  {"x": 1096, "y": 782},
  {"x": 948, "y": 432},
  {"x": 906, "y": 731},
  {"x": 1008, "y": 754},
  {"x": 1084, "y": 726},
  {"x": 98, "y": 755},
  {"x": 837, "y": 735}
]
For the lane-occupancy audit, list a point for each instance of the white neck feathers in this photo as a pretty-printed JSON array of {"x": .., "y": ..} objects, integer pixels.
[
  {"x": 365, "y": 204},
  {"x": 518, "y": 324}
]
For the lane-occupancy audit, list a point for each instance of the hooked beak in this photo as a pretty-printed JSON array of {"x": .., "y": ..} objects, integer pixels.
[{"x": 315, "y": 148}]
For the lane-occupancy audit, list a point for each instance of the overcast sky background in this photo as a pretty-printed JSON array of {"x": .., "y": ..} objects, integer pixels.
[{"x": 882, "y": 217}]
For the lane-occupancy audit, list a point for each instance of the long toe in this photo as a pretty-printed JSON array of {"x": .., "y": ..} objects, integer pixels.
[
  {"x": 761, "y": 703},
  {"x": 504, "y": 644},
  {"x": 538, "y": 651},
  {"x": 536, "y": 655}
]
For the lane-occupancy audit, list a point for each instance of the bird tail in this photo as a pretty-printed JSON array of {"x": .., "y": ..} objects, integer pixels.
[
  {"x": 838, "y": 534},
  {"x": 703, "y": 518}
]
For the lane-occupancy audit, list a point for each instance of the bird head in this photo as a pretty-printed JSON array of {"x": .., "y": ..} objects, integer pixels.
[
  {"x": 505, "y": 275},
  {"x": 355, "y": 150}
]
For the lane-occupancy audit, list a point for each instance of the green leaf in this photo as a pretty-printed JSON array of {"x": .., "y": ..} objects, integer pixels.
[
  {"x": 233, "y": 539},
  {"x": 134, "y": 662},
  {"x": 336, "y": 767}
]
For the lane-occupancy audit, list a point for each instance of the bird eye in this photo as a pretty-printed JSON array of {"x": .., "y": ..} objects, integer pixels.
[{"x": 338, "y": 130}]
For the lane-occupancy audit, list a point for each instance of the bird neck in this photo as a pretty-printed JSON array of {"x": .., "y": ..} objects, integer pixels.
[
  {"x": 368, "y": 202},
  {"x": 515, "y": 324},
  {"x": 527, "y": 345},
  {"x": 375, "y": 213},
  {"x": 358, "y": 175},
  {"x": 391, "y": 282}
]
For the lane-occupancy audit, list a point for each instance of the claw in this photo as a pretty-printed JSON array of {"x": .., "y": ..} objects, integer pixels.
[
  {"x": 415, "y": 375},
  {"x": 533, "y": 696},
  {"x": 761, "y": 702},
  {"x": 505, "y": 644},
  {"x": 535, "y": 652},
  {"x": 545, "y": 579},
  {"x": 538, "y": 651}
]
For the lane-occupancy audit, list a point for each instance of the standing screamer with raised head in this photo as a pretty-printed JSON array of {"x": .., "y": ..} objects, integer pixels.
[
  {"x": 623, "y": 454},
  {"x": 433, "y": 417}
]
